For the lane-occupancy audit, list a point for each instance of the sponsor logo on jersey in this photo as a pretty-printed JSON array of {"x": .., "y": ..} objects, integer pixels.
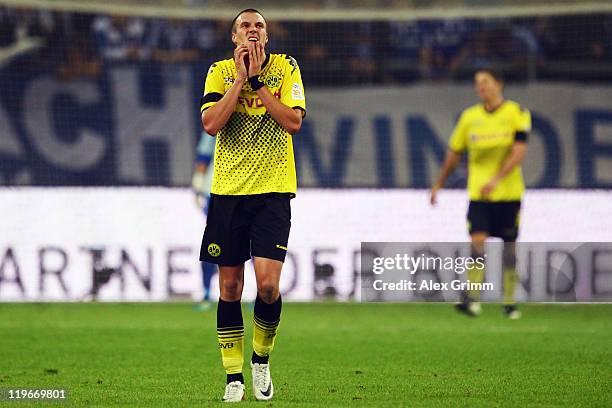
[
  {"x": 254, "y": 102},
  {"x": 296, "y": 92}
]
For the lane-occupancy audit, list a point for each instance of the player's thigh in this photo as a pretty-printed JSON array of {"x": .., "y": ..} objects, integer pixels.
[
  {"x": 270, "y": 227},
  {"x": 479, "y": 219},
  {"x": 507, "y": 220},
  {"x": 226, "y": 237}
]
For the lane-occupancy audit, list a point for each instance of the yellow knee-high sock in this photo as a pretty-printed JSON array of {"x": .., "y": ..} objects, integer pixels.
[
  {"x": 266, "y": 318},
  {"x": 510, "y": 275},
  {"x": 511, "y": 280},
  {"x": 230, "y": 334},
  {"x": 475, "y": 274}
]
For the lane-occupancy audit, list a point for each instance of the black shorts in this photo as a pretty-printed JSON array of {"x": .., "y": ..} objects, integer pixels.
[
  {"x": 238, "y": 227},
  {"x": 497, "y": 219}
]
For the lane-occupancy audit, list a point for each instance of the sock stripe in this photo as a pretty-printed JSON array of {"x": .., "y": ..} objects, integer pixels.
[
  {"x": 223, "y": 332},
  {"x": 240, "y": 333},
  {"x": 230, "y": 338},
  {"x": 265, "y": 321},
  {"x": 225, "y": 328},
  {"x": 265, "y": 324}
]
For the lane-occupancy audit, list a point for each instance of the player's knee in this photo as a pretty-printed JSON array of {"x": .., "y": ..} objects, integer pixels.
[
  {"x": 231, "y": 290},
  {"x": 509, "y": 254},
  {"x": 477, "y": 250},
  {"x": 268, "y": 292},
  {"x": 478, "y": 242}
]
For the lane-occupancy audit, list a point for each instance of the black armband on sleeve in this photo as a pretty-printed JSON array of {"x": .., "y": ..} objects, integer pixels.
[
  {"x": 300, "y": 108},
  {"x": 210, "y": 97},
  {"x": 521, "y": 136},
  {"x": 256, "y": 84}
]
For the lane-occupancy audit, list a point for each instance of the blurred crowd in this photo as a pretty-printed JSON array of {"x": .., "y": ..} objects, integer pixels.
[{"x": 339, "y": 53}]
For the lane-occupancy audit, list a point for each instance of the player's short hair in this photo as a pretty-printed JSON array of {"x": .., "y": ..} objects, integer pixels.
[
  {"x": 249, "y": 10},
  {"x": 497, "y": 75}
]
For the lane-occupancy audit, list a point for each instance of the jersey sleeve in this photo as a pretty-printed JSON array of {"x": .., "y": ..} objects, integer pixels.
[
  {"x": 292, "y": 89},
  {"x": 458, "y": 140},
  {"x": 522, "y": 124},
  {"x": 214, "y": 88}
]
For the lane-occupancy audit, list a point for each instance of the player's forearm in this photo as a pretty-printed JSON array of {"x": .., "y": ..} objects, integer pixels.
[
  {"x": 215, "y": 117},
  {"x": 287, "y": 117},
  {"x": 516, "y": 158},
  {"x": 450, "y": 164}
]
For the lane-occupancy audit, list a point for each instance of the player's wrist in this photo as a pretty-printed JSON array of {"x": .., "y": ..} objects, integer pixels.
[{"x": 256, "y": 84}]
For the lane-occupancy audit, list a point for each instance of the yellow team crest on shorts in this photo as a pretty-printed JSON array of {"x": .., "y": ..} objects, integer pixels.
[{"x": 214, "y": 249}]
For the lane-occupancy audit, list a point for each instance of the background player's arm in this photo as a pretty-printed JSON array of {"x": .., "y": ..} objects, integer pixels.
[
  {"x": 515, "y": 158},
  {"x": 215, "y": 117},
  {"x": 289, "y": 118},
  {"x": 450, "y": 164},
  {"x": 199, "y": 178},
  {"x": 198, "y": 184},
  {"x": 202, "y": 180},
  {"x": 457, "y": 145}
]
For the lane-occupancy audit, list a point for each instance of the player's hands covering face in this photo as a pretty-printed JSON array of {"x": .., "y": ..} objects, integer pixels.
[
  {"x": 257, "y": 56},
  {"x": 240, "y": 59}
]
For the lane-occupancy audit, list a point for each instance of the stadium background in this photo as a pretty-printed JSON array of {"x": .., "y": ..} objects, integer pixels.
[{"x": 99, "y": 120}]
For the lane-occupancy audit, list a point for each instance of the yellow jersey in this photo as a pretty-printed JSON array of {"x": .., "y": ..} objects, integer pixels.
[
  {"x": 253, "y": 152},
  {"x": 488, "y": 138}
]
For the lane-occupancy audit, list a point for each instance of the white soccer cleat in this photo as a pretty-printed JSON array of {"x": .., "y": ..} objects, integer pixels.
[
  {"x": 234, "y": 392},
  {"x": 469, "y": 308},
  {"x": 515, "y": 315},
  {"x": 262, "y": 382},
  {"x": 475, "y": 308},
  {"x": 512, "y": 312}
]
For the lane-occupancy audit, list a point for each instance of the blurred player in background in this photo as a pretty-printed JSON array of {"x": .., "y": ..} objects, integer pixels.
[
  {"x": 201, "y": 183},
  {"x": 494, "y": 134},
  {"x": 253, "y": 103}
]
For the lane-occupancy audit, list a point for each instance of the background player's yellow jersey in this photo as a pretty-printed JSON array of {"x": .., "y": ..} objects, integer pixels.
[
  {"x": 488, "y": 139},
  {"x": 253, "y": 153}
]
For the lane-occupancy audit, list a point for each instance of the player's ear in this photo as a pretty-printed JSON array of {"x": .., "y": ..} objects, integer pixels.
[{"x": 234, "y": 40}]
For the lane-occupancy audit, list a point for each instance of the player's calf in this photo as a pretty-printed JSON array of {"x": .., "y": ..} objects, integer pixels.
[{"x": 266, "y": 318}]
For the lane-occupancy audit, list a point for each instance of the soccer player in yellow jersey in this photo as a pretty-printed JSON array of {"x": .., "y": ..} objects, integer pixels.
[
  {"x": 494, "y": 135},
  {"x": 253, "y": 104}
]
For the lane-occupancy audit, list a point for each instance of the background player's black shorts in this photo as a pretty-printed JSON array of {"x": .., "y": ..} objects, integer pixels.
[
  {"x": 238, "y": 227},
  {"x": 498, "y": 219}
]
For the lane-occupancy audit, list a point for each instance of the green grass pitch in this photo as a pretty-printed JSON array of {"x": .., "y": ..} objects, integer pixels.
[{"x": 327, "y": 354}]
